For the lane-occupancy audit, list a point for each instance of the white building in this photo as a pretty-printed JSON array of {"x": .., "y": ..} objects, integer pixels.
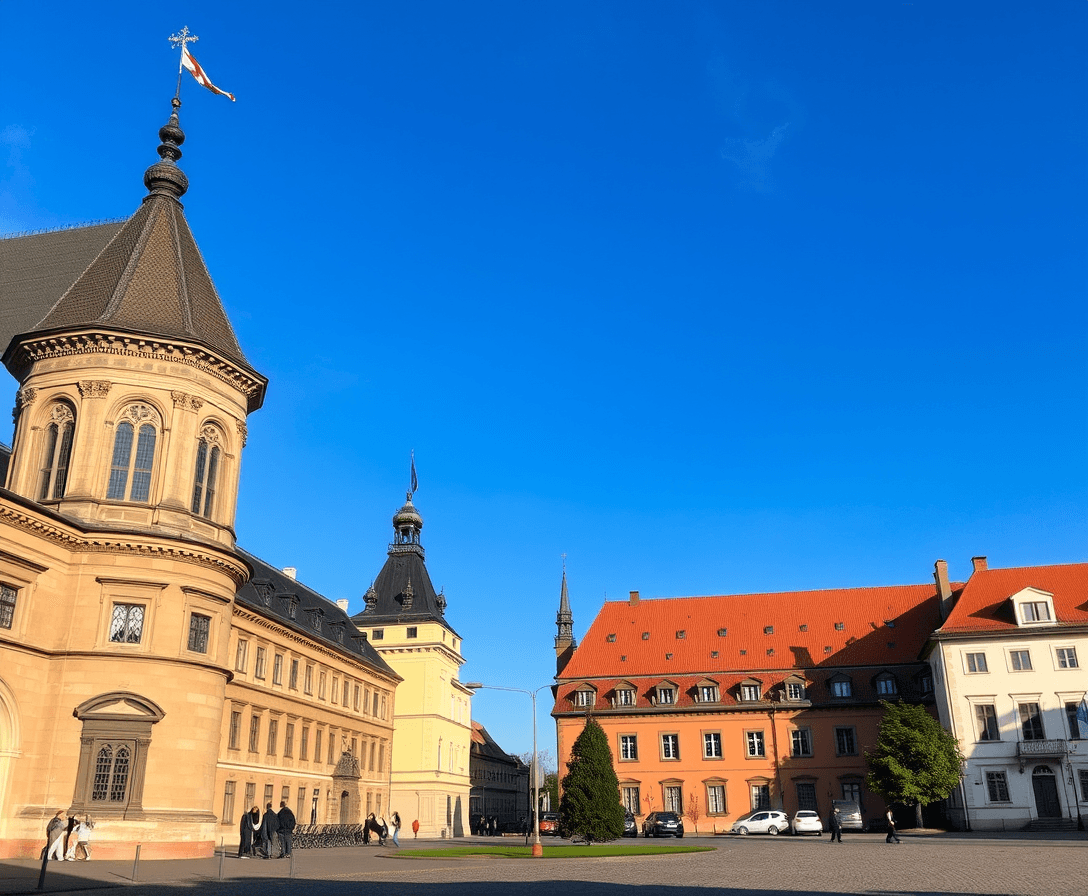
[{"x": 1008, "y": 676}]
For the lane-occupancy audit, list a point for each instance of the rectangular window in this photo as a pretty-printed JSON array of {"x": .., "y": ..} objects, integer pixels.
[
  {"x": 628, "y": 747},
  {"x": 332, "y": 747},
  {"x": 308, "y": 681},
  {"x": 1020, "y": 660},
  {"x": 240, "y": 655},
  {"x": 411, "y": 632},
  {"x": 251, "y": 795},
  {"x": 127, "y": 623},
  {"x": 378, "y": 634},
  {"x": 268, "y": 791},
  {"x": 1031, "y": 721},
  {"x": 708, "y": 694},
  {"x": 321, "y": 685},
  {"x": 285, "y": 794},
  {"x": 749, "y": 693},
  {"x": 670, "y": 746},
  {"x": 852, "y": 792},
  {"x": 761, "y": 796},
  {"x": 841, "y": 688},
  {"x": 228, "y": 803},
  {"x": 235, "y": 730},
  {"x": 976, "y": 662},
  {"x": 585, "y": 698},
  {"x": 846, "y": 743},
  {"x": 1075, "y": 732},
  {"x": 277, "y": 669},
  {"x": 356, "y": 696},
  {"x": 381, "y": 757},
  {"x": 806, "y": 795},
  {"x": 199, "y": 627},
  {"x": 289, "y": 740},
  {"x": 712, "y": 745},
  {"x": 674, "y": 799},
  {"x": 1067, "y": 657},
  {"x": 625, "y": 697},
  {"x": 383, "y": 707},
  {"x": 631, "y": 801},
  {"x": 317, "y": 744},
  {"x": 997, "y": 787},
  {"x": 665, "y": 695},
  {"x": 293, "y": 680},
  {"x": 273, "y": 732},
  {"x": 304, "y": 744},
  {"x": 301, "y": 804},
  {"x": 254, "y": 733},
  {"x": 335, "y": 693},
  {"x": 801, "y": 742},
  {"x": 347, "y": 694},
  {"x": 374, "y": 706},
  {"x": 715, "y": 799},
  {"x": 886, "y": 686},
  {"x": 754, "y": 745},
  {"x": 1035, "y": 611},
  {"x": 795, "y": 691},
  {"x": 8, "y": 596},
  {"x": 986, "y": 721},
  {"x": 262, "y": 661}
]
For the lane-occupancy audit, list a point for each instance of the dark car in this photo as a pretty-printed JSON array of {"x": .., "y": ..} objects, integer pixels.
[
  {"x": 549, "y": 824},
  {"x": 663, "y": 824},
  {"x": 630, "y": 827}
]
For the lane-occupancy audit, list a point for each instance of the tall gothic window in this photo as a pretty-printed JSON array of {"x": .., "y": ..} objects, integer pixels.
[
  {"x": 57, "y": 452},
  {"x": 207, "y": 469},
  {"x": 130, "y": 470}
]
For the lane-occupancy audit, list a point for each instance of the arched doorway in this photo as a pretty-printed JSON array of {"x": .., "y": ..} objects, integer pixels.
[
  {"x": 9, "y": 748},
  {"x": 345, "y": 808},
  {"x": 1047, "y": 804}
]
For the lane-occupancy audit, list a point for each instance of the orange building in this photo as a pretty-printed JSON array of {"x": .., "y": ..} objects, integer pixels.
[{"x": 715, "y": 706}]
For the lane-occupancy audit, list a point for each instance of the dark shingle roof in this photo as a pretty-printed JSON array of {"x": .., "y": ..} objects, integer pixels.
[
  {"x": 278, "y": 596},
  {"x": 404, "y": 565}
]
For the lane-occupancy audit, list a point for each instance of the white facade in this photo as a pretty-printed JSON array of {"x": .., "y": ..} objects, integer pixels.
[{"x": 1010, "y": 695}]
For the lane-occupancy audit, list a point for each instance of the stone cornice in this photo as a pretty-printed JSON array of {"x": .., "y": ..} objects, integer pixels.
[
  {"x": 38, "y": 347},
  {"x": 109, "y": 543}
]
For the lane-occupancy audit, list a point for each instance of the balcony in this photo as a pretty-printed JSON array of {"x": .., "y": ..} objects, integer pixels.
[{"x": 1038, "y": 749}]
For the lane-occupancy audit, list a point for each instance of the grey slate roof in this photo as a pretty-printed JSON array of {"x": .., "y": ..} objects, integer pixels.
[
  {"x": 275, "y": 595},
  {"x": 403, "y": 565},
  {"x": 37, "y": 269}
]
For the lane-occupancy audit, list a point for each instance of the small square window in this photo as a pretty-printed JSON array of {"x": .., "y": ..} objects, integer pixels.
[
  {"x": 127, "y": 623},
  {"x": 803, "y": 627},
  {"x": 680, "y": 635},
  {"x": 713, "y": 654},
  {"x": 976, "y": 662},
  {"x": 611, "y": 639},
  {"x": 378, "y": 634},
  {"x": 840, "y": 626},
  {"x": 722, "y": 632},
  {"x": 645, "y": 636},
  {"x": 768, "y": 629},
  {"x": 668, "y": 656},
  {"x": 1067, "y": 657},
  {"x": 412, "y": 632},
  {"x": 1020, "y": 660}
]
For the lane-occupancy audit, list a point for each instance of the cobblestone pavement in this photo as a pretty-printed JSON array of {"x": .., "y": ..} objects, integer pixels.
[{"x": 998, "y": 865}]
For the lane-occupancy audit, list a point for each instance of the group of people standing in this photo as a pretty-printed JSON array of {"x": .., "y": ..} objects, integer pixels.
[
  {"x": 259, "y": 834},
  {"x": 67, "y": 836},
  {"x": 485, "y": 825},
  {"x": 379, "y": 829}
]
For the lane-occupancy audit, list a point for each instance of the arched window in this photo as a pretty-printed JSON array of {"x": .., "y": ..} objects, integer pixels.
[
  {"x": 57, "y": 452},
  {"x": 208, "y": 453},
  {"x": 111, "y": 771},
  {"x": 130, "y": 470}
]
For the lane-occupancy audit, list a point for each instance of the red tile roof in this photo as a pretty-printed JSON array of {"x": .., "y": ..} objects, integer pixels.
[
  {"x": 785, "y": 631},
  {"x": 983, "y": 606}
]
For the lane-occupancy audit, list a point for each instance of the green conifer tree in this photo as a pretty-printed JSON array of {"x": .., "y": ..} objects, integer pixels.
[
  {"x": 915, "y": 761},
  {"x": 590, "y": 806}
]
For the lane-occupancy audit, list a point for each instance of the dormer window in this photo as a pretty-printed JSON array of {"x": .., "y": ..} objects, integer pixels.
[
  {"x": 585, "y": 697},
  {"x": 666, "y": 694},
  {"x": 1034, "y": 611},
  {"x": 1033, "y": 607},
  {"x": 625, "y": 697},
  {"x": 708, "y": 693},
  {"x": 749, "y": 693},
  {"x": 886, "y": 685},
  {"x": 795, "y": 690},
  {"x": 841, "y": 688}
]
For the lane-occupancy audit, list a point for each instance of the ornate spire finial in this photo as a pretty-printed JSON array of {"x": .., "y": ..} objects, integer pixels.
[
  {"x": 180, "y": 39},
  {"x": 165, "y": 178}
]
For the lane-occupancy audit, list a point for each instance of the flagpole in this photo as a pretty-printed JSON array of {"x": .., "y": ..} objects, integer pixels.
[{"x": 179, "y": 40}]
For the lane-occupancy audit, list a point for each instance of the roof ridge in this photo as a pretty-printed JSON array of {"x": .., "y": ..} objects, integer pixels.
[{"x": 61, "y": 228}]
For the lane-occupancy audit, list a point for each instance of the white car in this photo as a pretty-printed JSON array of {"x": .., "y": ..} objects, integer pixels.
[
  {"x": 805, "y": 821},
  {"x": 762, "y": 821}
]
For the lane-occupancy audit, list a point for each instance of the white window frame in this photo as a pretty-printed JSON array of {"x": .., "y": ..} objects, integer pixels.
[
  {"x": 976, "y": 658},
  {"x": 628, "y": 751},
  {"x": 755, "y": 745},
  {"x": 712, "y": 745},
  {"x": 674, "y": 739}
]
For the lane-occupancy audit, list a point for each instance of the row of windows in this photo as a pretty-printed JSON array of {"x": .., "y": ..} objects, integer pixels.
[
  {"x": 306, "y": 799},
  {"x": 410, "y": 632},
  {"x": 755, "y": 745},
  {"x": 1020, "y": 660},
  {"x": 673, "y": 798},
  {"x": 132, "y": 461},
  {"x": 372, "y": 757},
  {"x": 1029, "y": 719},
  {"x": 997, "y": 784},
  {"x": 351, "y": 695}
]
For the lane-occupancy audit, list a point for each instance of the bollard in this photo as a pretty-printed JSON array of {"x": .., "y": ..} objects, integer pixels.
[
  {"x": 222, "y": 855},
  {"x": 136, "y": 865},
  {"x": 45, "y": 863},
  {"x": 291, "y": 865}
]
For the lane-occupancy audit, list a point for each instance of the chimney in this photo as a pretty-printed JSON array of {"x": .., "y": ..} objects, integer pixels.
[
  {"x": 290, "y": 571},
  {"x": 944, "y": 589},
  {"x": 342, "y": 603},
  {"x": 979, "y": 564},
  {"x": 633, "y": 600}
]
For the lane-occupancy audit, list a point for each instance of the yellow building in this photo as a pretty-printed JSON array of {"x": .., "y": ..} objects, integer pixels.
[
  {"x": 151, "y": 674},
  {"x": 405, "y": 621}
]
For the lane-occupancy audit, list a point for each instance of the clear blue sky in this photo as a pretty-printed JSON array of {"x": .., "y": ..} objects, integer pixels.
[{"x": 710, "y": 297}]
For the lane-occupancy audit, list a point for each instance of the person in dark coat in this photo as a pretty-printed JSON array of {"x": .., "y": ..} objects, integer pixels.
[
  {"x": 247, "y": 829},
  {"x": 287, "y": 829},
  {"x": 270, "y": 826},
  {"x": 369, "y": 826},
  {"x": 835, "y": 825},
  {"x": 892, "y": 835}
]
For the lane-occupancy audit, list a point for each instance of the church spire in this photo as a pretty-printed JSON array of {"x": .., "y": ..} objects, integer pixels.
[{"x": 564, "y": 623}]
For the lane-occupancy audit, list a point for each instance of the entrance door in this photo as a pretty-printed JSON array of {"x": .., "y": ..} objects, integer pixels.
[{"x": 1046, "y": 793}]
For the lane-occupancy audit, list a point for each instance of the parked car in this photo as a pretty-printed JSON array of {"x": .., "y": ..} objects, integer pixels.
[
  {"x": 762, "y": 821},
  {"x": 805, "y": 821},
  {"x": 849, "y": 814},
  {"x": 630, "y": 826},
  {"x": 549, "y": 824},
  {"x": 663, "y": 824}
]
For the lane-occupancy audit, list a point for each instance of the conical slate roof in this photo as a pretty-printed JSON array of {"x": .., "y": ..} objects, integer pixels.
[{"x": 150, "y": 279}]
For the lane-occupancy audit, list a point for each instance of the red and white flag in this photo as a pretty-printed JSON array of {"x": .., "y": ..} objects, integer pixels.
[{"x": 197, "y": 72}]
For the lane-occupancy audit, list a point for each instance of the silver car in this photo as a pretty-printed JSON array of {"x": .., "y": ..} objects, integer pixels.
[{"x": 762, "y": 821}]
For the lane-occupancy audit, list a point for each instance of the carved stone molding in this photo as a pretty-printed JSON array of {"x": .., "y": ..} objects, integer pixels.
[
  {"x": 61, "y": 414},
  {"x": 187, "y": 402},
  {"x": 141, "y": 413},
  {"x": 243, "y": 431},
  {"x": 24, "y": 398},
  {"x": 94, "y": 388}
]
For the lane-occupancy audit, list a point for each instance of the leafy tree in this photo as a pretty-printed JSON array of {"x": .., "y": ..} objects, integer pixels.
[
  {"x": 915, "y": 761},
  {"x": 590, "y": 806}
]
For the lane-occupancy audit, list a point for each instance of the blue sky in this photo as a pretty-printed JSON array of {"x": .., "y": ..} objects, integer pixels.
[{"x": 710, "y": 297}]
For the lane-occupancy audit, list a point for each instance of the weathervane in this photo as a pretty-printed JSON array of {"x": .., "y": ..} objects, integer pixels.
[{"x": 180, "y": 39}]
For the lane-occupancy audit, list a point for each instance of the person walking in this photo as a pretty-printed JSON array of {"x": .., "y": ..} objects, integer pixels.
[
  {"x": 835, "y": 825},
  {"x": 415, "y": 829},
  {"x": 892, "y": 835},
  {"x": 383, "y": 831},
  {"x": 270, "y": 826},
  {"x": 395, "y": 821},
  {"x": 287, "y": 829},
  {"x": 80, "y": 840},
  {"x": 54, "y": 835}
]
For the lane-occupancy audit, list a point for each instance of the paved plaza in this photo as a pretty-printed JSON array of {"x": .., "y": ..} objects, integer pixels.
[{"x": 924, "y": 865}]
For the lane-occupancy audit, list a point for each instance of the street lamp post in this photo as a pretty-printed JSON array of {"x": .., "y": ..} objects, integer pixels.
[{"x": 538, "y": 849}]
